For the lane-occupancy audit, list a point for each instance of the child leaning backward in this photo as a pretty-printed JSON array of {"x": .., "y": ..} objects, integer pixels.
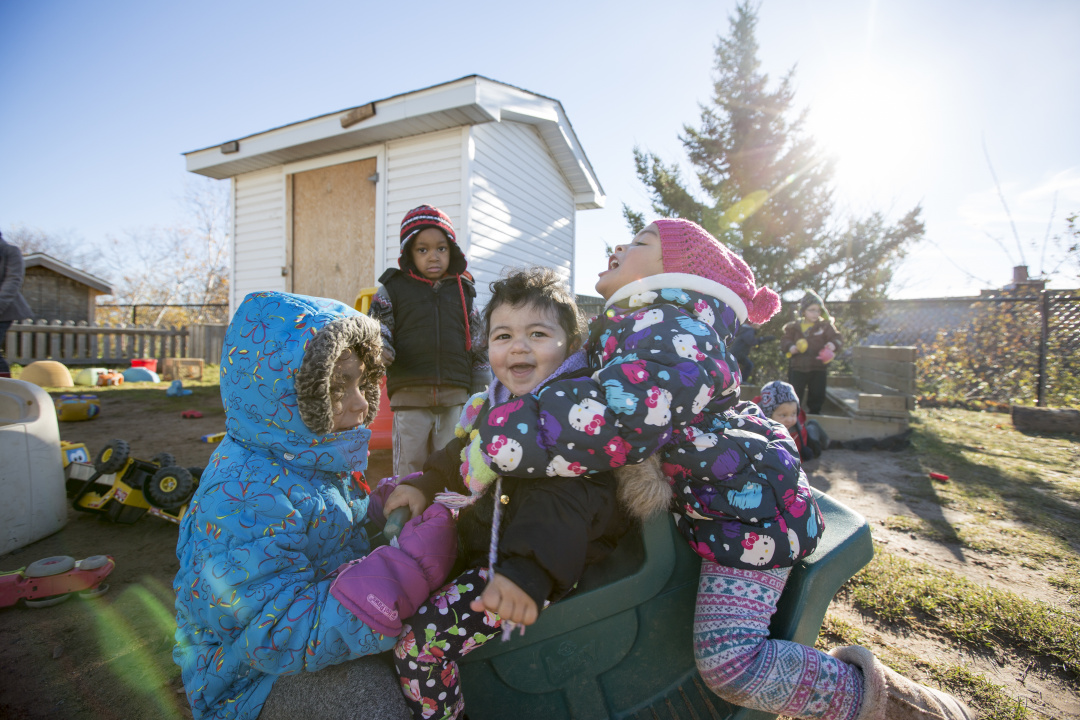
[
  {"x": 664, "y": 382},
  {"x": 546, "y": 532},
  {"x": 430, "y": 337},
  {"x": 275, "y": 587}
]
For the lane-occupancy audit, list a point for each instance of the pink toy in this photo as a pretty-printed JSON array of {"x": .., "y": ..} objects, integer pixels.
[
  {"x": 51, "y": 581},
  {"x": 826, "y": 355}
]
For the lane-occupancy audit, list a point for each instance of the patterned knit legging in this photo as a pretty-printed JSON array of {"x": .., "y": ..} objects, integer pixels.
[
  {"x": 441, "y": 632},
  {"x": 739, "y": 663}
]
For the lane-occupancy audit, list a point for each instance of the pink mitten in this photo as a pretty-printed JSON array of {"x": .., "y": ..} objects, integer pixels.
[
  {"x": 826, "y": 355},
  {"x": 381, "y": 589},
  {"x": 431, "y": 540}
]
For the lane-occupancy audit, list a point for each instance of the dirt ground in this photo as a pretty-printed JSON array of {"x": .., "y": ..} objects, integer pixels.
[{"x": 111, "y": 657}]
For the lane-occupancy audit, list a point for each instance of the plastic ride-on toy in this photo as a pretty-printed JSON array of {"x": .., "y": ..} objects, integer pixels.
[
  {"x": 51, "y": 581},
  {"x": 158, "y": 486},
  {"x": 621, "y": 645}
]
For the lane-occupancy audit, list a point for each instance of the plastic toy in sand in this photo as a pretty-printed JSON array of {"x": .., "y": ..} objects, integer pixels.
[
  {"x": 110, "y": 378},
  {"x": 47, "y": 373},
  {"x": 213, "y": 437},
  {"x": 191, "y": 414},
  {"x": 158, "y": 486},
  {"x": 140, "y": 374},
  {"x": 31, "y": 468},
  {"x": 176, "y": 389},
  {"x": 89, "y": 376},
  {"x": 51, "y": 581},
  {"x": 71, "y": 408}
]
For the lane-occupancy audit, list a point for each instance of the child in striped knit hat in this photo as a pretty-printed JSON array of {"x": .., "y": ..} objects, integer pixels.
[
  {"x": 431, "y": 336},
  {"x": 664, "y": 384}
]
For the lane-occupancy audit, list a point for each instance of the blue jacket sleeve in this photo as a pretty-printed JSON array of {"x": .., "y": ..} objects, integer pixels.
[
  {"x": 661, "y": 368},
  {"x": 257, "y": 587}
]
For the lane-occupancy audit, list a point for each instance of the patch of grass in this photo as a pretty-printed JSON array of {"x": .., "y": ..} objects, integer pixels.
[
  {"x": 916, "y": 594},
  {"x": 1005, "y": 479},
  {"x": 836, "y": 632},
  {"x": 1068, "y": 581},
  {"x": 209, "y": 379},
  {"x": 991, "y": 700}
]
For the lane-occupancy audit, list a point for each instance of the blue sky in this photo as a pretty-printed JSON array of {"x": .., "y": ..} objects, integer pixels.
[{"x": 99, "y": 100}]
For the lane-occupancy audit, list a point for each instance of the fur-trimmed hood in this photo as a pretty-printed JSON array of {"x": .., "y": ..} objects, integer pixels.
[{"x": 276, "y": 364}]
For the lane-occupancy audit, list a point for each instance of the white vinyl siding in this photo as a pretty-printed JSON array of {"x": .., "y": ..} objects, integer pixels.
[
  {"x": 522, "y": 209},
  {"x": 259, "y": 233},
  {"x": 423, "y": 170}
]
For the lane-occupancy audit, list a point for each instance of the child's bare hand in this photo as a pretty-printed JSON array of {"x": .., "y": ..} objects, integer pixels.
[
  {"x": 503, "y": 597},
  {"x": 405, "y": 496}
]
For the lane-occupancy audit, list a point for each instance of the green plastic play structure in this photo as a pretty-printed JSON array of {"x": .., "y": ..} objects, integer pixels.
[{"x": 620, "y": 647}]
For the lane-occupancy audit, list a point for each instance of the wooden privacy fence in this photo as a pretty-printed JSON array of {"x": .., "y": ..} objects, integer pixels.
[{"x": 84, "y": 344}]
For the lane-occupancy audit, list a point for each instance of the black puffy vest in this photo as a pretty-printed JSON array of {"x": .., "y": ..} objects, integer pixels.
[{"x": 429, "y": 332}]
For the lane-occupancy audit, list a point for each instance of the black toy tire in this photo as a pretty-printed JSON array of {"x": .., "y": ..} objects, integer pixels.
[
  {"x": 112, "y": 457},
  {"x": 164, "y": 459},
  {"x": 196, "y": 472},
  {"x": 169, "y": 488}
]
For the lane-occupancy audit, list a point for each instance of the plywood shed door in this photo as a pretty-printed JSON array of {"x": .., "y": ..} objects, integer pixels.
[{"x": 333, "y": 230}]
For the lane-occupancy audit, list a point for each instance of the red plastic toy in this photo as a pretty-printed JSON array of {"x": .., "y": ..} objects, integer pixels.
[
  {"x": 191, "y": 414},
  {"x": 51, "y": 581},
  {"x": 939, "y": 476}
]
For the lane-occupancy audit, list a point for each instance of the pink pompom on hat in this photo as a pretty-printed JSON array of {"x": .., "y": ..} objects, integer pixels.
[{"x": 686, "y": 247}]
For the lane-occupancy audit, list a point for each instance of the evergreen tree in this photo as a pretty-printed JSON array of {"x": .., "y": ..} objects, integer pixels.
[{"x": 765, "y": 190}]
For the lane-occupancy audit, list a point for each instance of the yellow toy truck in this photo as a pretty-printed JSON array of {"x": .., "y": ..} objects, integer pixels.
[{"x": 158, "y": 486}]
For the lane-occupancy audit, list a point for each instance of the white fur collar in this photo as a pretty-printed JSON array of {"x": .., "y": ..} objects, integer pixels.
[{"x": 683, "y": 281}]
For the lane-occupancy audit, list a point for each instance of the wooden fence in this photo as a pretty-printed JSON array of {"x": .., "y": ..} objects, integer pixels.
[{"x": 84, "y": 344}]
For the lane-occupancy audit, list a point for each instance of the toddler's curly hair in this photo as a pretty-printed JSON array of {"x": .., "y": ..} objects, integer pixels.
[{"x": 542, "y": 288}]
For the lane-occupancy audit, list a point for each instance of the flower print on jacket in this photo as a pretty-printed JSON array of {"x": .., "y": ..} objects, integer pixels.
[{"x": 271, "y": 521}]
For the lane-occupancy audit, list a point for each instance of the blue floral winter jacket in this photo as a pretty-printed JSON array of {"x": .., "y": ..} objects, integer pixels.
[
  {"x": 274, "y": 516},
  {"x": 664, "y": 381}
]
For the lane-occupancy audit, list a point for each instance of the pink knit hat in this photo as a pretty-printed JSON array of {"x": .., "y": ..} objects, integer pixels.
[{"x": 686, "y": 247}]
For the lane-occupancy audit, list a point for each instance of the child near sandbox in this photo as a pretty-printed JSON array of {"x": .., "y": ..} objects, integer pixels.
[{"x": 276, "y": 570}]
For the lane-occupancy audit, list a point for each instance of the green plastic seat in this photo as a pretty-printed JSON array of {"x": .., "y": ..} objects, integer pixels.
[{"x": 621, "y": 645}]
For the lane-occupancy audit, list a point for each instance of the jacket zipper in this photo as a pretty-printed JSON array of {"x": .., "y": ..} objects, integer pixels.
[{"x": 438, "y": 341}]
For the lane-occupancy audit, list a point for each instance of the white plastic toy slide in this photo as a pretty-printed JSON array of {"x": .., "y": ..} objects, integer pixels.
[{"x": 33, "y": 503}]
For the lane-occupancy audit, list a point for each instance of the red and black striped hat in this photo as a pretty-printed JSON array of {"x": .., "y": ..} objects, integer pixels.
[{"x": 422, "y": 217}]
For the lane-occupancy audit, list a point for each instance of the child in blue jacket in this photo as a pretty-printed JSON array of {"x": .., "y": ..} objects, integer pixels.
[
  {"x": 269, "y": 582},
  {"x": 664, "y": 382}
]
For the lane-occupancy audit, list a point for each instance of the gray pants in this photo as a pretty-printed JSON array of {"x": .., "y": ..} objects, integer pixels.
[
  {"x": 420, "y": 431},
  {"x": 363, "y": 689}
]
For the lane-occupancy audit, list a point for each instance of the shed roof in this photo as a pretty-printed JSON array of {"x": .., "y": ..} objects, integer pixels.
[
  {"x": 58, "y": 266},
  {"x": 469, "y": 100}
]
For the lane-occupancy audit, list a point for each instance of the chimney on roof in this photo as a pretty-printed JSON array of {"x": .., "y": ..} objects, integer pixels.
[{"x": 1020, "y": 274}]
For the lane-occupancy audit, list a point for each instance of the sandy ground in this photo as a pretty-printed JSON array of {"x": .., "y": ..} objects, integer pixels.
[{"x": 111, "y": 657}]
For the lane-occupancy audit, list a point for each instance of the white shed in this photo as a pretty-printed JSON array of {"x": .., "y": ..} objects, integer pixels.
[{"x": 316, "y": 205}]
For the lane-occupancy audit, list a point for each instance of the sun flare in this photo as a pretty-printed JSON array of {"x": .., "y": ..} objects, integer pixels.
[{"x": 876, "y": 126}]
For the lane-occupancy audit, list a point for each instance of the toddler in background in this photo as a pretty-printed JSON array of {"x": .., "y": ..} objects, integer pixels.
[
  {"x": 780, "y": 403},
  {"x": 811, "y": 343},
  {"x": 431, "y": 337}
]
